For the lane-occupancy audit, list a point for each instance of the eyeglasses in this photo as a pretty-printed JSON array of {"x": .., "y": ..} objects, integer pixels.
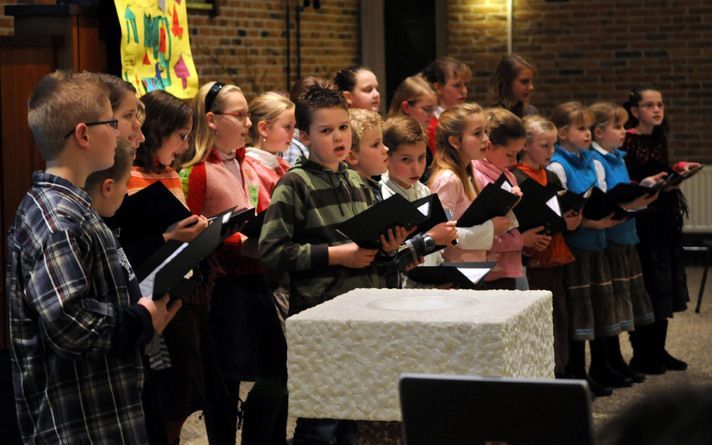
[
  {"x": 113, "y": 123},
  {"x": 242, "y": 116}
]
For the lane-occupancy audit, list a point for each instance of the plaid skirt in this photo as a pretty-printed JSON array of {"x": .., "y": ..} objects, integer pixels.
[
  {"x": 632, "y": 300},
  {"x": 589, "y": 296}
]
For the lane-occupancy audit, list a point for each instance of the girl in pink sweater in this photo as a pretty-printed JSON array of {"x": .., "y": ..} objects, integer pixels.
[
  {"x": 461, "y": 138},
  {"x": 507, "y": 137},
  {"x": 270, "y": 135}
]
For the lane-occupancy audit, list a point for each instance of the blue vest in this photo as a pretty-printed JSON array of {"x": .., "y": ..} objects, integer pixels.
[
  {"x": 617, "y": 173},
  {"x": 580, "y": 176}
]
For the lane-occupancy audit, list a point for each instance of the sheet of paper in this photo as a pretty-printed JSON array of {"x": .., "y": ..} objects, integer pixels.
[
  {"x": 473, "y": 274},
  {"x": 147, "y": 284},
  {"x": 424, "y": 209},
  {"x": 553, "y": 204}
]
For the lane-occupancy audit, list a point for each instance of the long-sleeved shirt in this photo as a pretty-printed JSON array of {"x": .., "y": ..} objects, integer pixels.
[
  {"x": 474, "y": 241},
  {"x": 76, "y": 330},
  {"x": 506, "y": 248},
  {"x": 417, "y": 191},
  {"x": 219, "y": 183}
]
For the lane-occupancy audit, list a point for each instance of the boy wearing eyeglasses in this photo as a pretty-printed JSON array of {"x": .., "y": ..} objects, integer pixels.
[{"x": 76, "y": 332}]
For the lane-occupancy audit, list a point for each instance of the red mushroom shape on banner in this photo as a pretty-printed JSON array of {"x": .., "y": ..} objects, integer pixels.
[{"x": 182, "y": 71}]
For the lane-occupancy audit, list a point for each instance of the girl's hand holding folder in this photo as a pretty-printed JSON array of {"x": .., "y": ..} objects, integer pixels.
[
  {"x": 187, "y": 229},
  {"x": 537, "y": 241},
  {"x": 501, "y": 225},
  {"x": 605, "y": 223}
]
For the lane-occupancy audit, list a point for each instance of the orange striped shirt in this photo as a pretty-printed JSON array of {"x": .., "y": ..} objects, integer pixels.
[{"x": 140, "y": 179}]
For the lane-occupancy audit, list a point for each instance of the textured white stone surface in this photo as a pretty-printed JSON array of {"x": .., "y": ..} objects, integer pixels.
[{"x": 345, "y": 355}]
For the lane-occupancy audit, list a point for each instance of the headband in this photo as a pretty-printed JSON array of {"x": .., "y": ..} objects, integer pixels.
[{"x": 212, "y": 94}]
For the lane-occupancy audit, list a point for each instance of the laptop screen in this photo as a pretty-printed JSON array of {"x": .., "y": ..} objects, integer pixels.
[{"x": 459, "y": 410}]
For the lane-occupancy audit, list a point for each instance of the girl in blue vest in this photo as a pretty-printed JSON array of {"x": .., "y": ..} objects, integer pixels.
[
  {"x": 632, "y": 300},
  {"x": 589, "y": 290}
]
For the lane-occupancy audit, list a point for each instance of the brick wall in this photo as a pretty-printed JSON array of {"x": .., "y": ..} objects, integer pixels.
[
  {"x": 584, "y": 50},
  {"x": 596, "y": 50},
  {"x": 247, "y": 43}
]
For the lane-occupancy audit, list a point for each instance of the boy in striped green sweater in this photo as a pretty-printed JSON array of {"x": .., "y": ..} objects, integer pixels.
[{"x": 299, "y": 232}]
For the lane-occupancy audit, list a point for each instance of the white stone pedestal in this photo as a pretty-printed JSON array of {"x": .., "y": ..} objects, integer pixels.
[{"x": 345, "y": 356}]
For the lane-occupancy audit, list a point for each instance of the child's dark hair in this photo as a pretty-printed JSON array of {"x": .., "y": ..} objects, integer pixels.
[
  {"x": 635, "y": 95},
  {"x": 503, "y": 126},
  {"x": 345, "y": 79},
  {"x": 165, "y": 114},
  {"x": 301, "y": 85},
  {"x": 650, "y": 421},
  {"x": 445, "y": 68},
  {"x": 123, "y": 158},
  {"x": 318, "y": 96},
  {"x": 500, "y": 87},
  {"x": 402, "y": 130},
  {"x": 118, "y": 88}
]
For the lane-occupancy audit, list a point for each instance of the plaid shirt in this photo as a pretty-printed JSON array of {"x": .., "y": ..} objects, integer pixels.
[{"x": 67, "y": 287}]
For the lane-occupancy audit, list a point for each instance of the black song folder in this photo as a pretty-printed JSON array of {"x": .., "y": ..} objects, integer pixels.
[
  {"x": 166, "y": 269},
  {"x": 539, "y": 206},
  {"x": 432, "y": 208},
  {"x": 493, "y": 200},
  {"x": 365, "y": 228},
  {"x": 675, "y": 179},
  {"x": 573, "y": 201},
  {"x": 154, "y": 206},
  {"x": 460, "y": 275}
]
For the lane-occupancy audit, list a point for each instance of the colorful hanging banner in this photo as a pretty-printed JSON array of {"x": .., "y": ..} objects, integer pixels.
[{"x": 155, "y": 48}]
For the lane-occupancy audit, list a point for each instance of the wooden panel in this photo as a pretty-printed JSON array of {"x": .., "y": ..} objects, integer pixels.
[
  {"x": 89, "y": 45},
  {"x": 21, "y": 67}
]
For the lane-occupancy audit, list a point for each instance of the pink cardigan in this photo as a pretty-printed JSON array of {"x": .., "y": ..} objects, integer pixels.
[
  {"x": 506, "y": 248},
  {"x": 452, "y": 195}
]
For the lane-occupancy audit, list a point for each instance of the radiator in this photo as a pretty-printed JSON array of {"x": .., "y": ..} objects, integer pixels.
[{"x": 698, "y": 191}]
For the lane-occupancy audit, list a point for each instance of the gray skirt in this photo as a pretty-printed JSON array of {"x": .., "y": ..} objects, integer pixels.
[
  {"x": 590, "y": 299},
  {"x": 632, "y": 300}
]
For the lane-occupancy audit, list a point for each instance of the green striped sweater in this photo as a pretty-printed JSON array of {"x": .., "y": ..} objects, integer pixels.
[{"x": 300, "y": 224}]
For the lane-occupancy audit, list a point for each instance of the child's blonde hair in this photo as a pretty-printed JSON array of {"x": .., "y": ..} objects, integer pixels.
[
  {"x": 203, "y": 136},
  {"x": 411, "y": 90},
  {"x": 361, "y": 121},
  {"x": 123, "y": 159},
  {"x": 503, "y": 126},
  {"x": 59, "y": 102},
  {"x": 570, "y": 113},
  {"x": 603, "y": 113},
  {"x": 402, "y": 130},
  {"x": 266, "y": 107},
  {"x": 140, "y": 112},
  {"x": 452, "y": 123},
  {"x": 535, "y": 125}
]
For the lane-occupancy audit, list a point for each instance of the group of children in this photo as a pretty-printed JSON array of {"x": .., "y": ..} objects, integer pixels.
[{"x": 96, "y": 361}]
